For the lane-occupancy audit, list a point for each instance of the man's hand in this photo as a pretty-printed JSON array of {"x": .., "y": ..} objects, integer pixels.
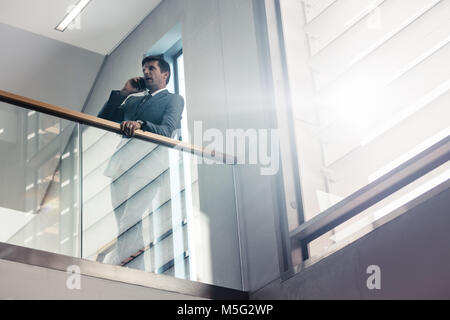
[
  {"x": 129, "y": 127},
  {"x": 131, "y": 87}
]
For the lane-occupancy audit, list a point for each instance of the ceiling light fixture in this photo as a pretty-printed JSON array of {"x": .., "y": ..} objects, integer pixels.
[{"x": 72, "y": 15}]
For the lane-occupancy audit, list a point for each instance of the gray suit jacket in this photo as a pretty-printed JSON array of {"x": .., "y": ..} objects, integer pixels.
[{"x": 161, "y": 114}]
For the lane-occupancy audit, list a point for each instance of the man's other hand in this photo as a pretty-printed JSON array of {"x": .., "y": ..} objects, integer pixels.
[{"x": 129, "y": 127}]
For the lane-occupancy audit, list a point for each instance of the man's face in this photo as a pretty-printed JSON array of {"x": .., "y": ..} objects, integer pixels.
[{"x": 154, "y": 79}]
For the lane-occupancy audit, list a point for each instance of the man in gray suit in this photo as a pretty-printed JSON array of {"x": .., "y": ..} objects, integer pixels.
[{"x": 158, "y": 112}]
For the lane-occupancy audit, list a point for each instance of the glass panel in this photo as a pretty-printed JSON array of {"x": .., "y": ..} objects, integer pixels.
[
  {"x": 142, "y": 209},
  {"x": 40, "y": 173},
  {"x": 143, "y": 206}
]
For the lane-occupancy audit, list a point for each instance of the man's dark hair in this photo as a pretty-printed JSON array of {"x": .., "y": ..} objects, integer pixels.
[{"x": 163, "y": 65}]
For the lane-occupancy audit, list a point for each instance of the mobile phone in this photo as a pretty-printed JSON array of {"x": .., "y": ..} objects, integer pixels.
[{"x": 139, "y": 84}]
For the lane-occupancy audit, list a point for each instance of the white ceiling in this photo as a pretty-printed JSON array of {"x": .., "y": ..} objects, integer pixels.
[{"x": 103, "y": 23}]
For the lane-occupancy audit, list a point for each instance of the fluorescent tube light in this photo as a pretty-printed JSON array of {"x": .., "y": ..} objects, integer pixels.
[{"x": 72, "y": 15}]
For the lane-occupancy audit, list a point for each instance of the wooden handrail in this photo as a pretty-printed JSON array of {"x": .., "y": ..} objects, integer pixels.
[{"x": 93, "y": 121}]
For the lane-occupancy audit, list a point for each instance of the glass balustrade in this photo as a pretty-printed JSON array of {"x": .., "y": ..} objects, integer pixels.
[
  {"x": 39, "y": 199},
  {"x": 81, "y": 191}
]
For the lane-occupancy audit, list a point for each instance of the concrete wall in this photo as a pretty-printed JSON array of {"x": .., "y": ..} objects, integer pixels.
[
  {"x": 47, "y": 70},
  {"x": 224, "y": 89},
  {"x": 411, "y": 251}
]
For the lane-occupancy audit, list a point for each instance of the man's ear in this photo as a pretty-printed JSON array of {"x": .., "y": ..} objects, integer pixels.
[{"x": 166, "y": 75}]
